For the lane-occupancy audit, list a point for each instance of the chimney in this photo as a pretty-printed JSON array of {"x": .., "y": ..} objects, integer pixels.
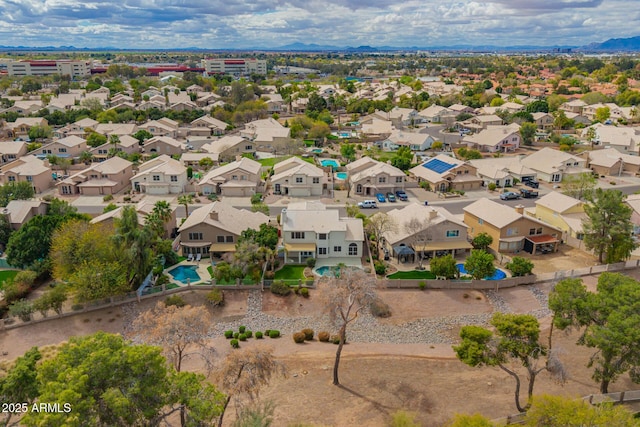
[
  {"x": 519, "y": 209},
  {"x": 214, "y": 215},
  {"x": 283, "y": 216},
  {"x": 433, "y": 214}
]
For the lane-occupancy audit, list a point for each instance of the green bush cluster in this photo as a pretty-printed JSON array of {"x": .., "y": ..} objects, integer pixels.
[
  {"x": 234, "y": 343},
  {"x": 274, "y": 334},
  {"x": 298, "y": 337},
  {"x": 175, "y": 300},
  {"x": 335, "y": 339},
  {"x": 242, "y": 337},
  {"x": 228, "y": 334},
  {"x": 258, "y": 335},
  {"x": 215, "y": 297},
  {"x": 304, "y": 292},
  {"x": 308, "y": 334},
  {"x": 280, "y": 288},
  {"x": 241, "y": 329}
]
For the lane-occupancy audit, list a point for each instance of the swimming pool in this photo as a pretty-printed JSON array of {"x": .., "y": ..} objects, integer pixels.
[
  {"x": 498, "y": 275},
  {"x": 326, "y": 271},
  {"x": 185, "y": 274},
  {"x": 341, "y": 176},
  {"x": 317, "y": 150},
  {"x": 329, "y": 162}
]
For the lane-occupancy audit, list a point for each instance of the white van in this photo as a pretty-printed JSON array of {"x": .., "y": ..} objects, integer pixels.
[{"x": 368, "y": 204}]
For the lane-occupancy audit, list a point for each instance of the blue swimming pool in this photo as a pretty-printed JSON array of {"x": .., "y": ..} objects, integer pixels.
[
  {"x": 329, "y": 162},
  {"x": 317, "y": 150},
  {"x": 185, "y": 274},
  {"x": 498, "y": 275},
  {"x": 325, "y": 271},
  {"x": 341, "y": 176}
]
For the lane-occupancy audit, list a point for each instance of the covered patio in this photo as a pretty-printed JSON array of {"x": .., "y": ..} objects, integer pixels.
[
  {"x": 436, "y": 249},
  {"x": 543, "y": 244},
  {"x": 301, "y": 251},
  {"x": 403, "y": 252}
]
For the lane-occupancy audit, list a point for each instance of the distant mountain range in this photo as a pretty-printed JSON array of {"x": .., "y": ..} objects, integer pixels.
[{"x": 631, "y": 44}]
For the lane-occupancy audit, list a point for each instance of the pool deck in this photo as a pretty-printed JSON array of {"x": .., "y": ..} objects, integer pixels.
[{"x": 201, "y": 270}]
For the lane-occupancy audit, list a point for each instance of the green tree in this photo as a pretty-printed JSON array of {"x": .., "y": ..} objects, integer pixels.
[
  {"x": 134, "y": 245},
  {"x": 556, "y": 411},
  {"x": 482, "y": 241},
  {"x": 319, "y": 131},
  {"x": 540, "y": 106},
  {"x": 22, "y": 190},
  {"x": 5, "y": 230},
  {"x": 348, "y": 151},
  {"x": 528, "y": 132},
  {"x": 516, "y": 339},
  {"x": 437, "y": 145},
  {"x": 444, "y": 266},
  {"x": 609, "y": 319},
  {"x": 480, "y": 264},
  {"x": 402, "y": 158},
  {"x": 608, "y": 229},
  {"x": 186, "y": 200},
  {"x": 520, "y": 266},
  {"x": 602, "y": 114},
  {"x": 20, "y": 383},
  {"x": 142, "y": 135},
  {"x": 206, "y": 163},
  {"x": 40, "y": 132},
  {"x": 266, "y": 236},
  {"x": 94, "y": 139},
  {"x": 315, "y": 105},
  {"x": 85, "y": 157},
  {"x": 579, "y": 186},
  {"x": 378, "y": 225},
  {"x": 475, "y": 420}
]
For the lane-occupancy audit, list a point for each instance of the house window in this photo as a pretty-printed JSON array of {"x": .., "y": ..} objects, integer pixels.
[
  {"x": 359, "y": 188},
  {"x": 555, "y": 177},
  {"x": 297, "y": 235},
  {"x": 539, "y": 230},
  {"x": 532, "y": 231},
  {"x": 220, "y": 239},
  {"x": 316, "y": 180},
  {"x": 480, "y": 221},
  {"x": 174, "y": 178},
  {"x": 337, "y": 249},
  {"x": 298, "y": 180},
  {"x": 466, "y": 171},
  {"x": 234, "y": 177},
  {"x": 453, "y": 233},
  {"x": 580, "y": 236},
  {"x": 243, "y": 177},
  {"x": 93, "y": 176},
  {"x": 62, "y": 150},
  {"x": 228, "y": 239},
  {"x": 512, "y": 231},
  {"x": 156, "y": 177},
  {"x": 195, "y": 236},
  {"x": 322, "y": 236},
  {"x": 322, "y": 251},
  {"x": 399, "y": 179},
  {"x": 353, "y": 249},
  {"x": 12, "y": 178},
  {"x": 248, "y": 147},
  {"x": 29, "y": 178},
  {"x": 382, "y": 179}
]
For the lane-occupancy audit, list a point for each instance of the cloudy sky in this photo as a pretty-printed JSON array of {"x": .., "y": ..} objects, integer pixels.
[{"x": 272, "y": 23}]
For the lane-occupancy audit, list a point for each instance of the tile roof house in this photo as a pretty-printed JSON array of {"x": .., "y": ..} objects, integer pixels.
[
  {"x": 28, "y": 168},
  {"x": 213, "y": 229},
  {"x": 266, "y": 133},
  {"x": 68, "y": 147},
  {"x": 126, "y": 144},
  {"x": 12, "y": 150},
  {"x": 445, "y": 173},
  {"x": 108, "y": 177},
  {"x": 563, "y": 212},
  {"x": 310, "y": 230},
  {"x": 229, "y": 147},
  {"x": 415, "y": 141},
  {"x": 163, "y": 145},
  {"x": 297, "y": 178},
  {"x": 239, "y": 178},
  {"x": 502, "y": 171},
  {"x": 439, "y": 231},
  {"x": 543, "y": 121},
  {"x": 143, "y": 209},
  {"x": 624, "y": 139},
  {"x": 511, "y": 230},
  {"x": 157, "y": 128},
  {"x": 495, "y": 139},
  {"x": 552, "y": 165},
  {"x": 160, "y": 175},
  {"x": 367, "y": 177},
  {"x": 207, "y": 126},
  {"x": 119, "y": 129},
  {"x": 611, "y": 162},
  {"x": 20, "y": 128},
  {"x": 21, "y": 211}
]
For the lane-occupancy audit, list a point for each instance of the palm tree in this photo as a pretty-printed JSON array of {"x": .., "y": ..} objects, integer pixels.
[
  {"x": 186, "y": 200},
  {"x": 86, "y": 157},
  {"x": 114, "y": 140},
  {"x": 158, "y": 217},
  {"x": 135, "y": 244}
]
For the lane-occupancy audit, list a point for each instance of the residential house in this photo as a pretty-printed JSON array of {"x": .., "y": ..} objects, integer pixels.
[
  {"x": 511, "y": 230},
  {"x": 28, "y": 168},
  {"x": 543, "y": 121},
  {"x": 12, "y": 150},
  {"x": 429, "y": 230},
  {"x": 552, "y": 165},
  {"x": 611, "y": 162},
  {"x": 20, "y": 211},
  {"x": 163, "y": 145},
  {"x": 367, "y": 177},
  {"x": 158, "y": 128},
  {"x": 125, "y": 143},
  {"x": 575, "y": 106},
  {"x": 68, "y": 147},
  {"x": 399, "y": 117},
  {"x": 25, "y": 107},
  {"x": 310, "y": 230},
  {"x": 495, "y": 139},
  {"x": 143, "y": 209},
  {"x": 633, "y": 201},
  {"x": 214, "y": 229},
  {"x": 118, "y": 129},
  {"x": 502, "y": 171},
  {"x": 438, "y": 114},
  {"x": 239, "y": 178},
  {"x": 108, "y": 177},
  {"x": 275, "y": 103},
  {"x": 297, "y": 178},
  {"x": 563, "y": 212},
  {"x": 229, "y": 147},
  {"x": 477, "y": 123},
  {"x": 415, "y": 141},
  {"x": 20, "y": 128},
  {"x": 160, "y": 175},
  {"x": 444, "y": 173},
  {"x": 193, "y": 159},
  {"x": 372, "y": 127},
  {"x": 266, "y": 133},
  {"x": 624, "y": 139},
  {"x": 207, "y": 126}
]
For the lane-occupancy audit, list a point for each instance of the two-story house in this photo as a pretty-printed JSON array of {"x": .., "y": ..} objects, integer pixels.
[
  {"x": 28, "y": 169},
  {"x": 239, "y": 178},
  {"x": 68, "y": 147},
  {"x": 444, "y": 173},
  {"x": 108, "y": 177},
  {"x": 207, "y": 126},
  {"x": 12, "y": 150},
  {"x": 495, "y": 139},
  {"x": 563, "y": 212},
  {"x": 297, "y": 178},
  {"x": 552, "y": 165},
  {"x": 160, "y": 175},
  {"x": 310, "y": 230},
  {"x": 367, "y": 177},
  {"x": 163, "y": 145},
  {"x": 229, "y": 147}
]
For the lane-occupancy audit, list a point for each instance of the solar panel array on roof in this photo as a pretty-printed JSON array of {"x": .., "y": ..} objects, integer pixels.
[{"x": 438, "y": 166}]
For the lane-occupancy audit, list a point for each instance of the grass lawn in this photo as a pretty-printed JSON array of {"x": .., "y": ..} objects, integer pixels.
[
  {"x": 415, "y": 274},
  {"x": 210, "y": 270},
  {"x": 7, "y": 274},
  {"x": 290, "y": 272}
]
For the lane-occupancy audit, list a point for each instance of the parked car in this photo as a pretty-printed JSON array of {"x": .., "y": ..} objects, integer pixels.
[
  {"x": 401, "y": 195},
  {"x": 532, "y": 184},
  {"x": 381, "y": 198},
  {"x": 368, "y": 204},
  {"x": 528, "y": 194},
  {"x": 391, "y": 197},
  {"x": 509, "y": 195}
]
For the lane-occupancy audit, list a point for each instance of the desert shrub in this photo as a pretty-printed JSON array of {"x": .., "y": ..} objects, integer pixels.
[
  {"x": 258, "y": 335},
  {"x": 236, "y": 335},
  {"x": 280, "y": 288},
  {"x": 107, "y": 198},
  {"x": 492, "y": 186},
  {"x": 242, "y": 337},
  {"x": 304, "y": 292},
  {"x": 266, "y": 332},
  {"x": 379, "y": 308},
  {"x": 274, "y": 334},
  {"x": 215, "y": 297},
  {"x": 311, "y": 262},
  {"x": 296, "y": 289},
  {"x": 308, "y": 334},
  {"x": 228, "y": 334},
  {"x": 249, "y": 334},
  {"x": 269, "y": 275},
  {"x": 241, "y": 329},
  {"x": 234, "y": 343},
  {"x": 22, "y": 309},
  {"x": 422, "y": 286},
  {"x": 380, "y": 267},
  {"x": 14, "y": 291},
  {"x": 298, "y": 337},
  {"x": 175, "y": 300},
  {"x": 323, "y": 336},
  {"x": 335, "y": 339}
]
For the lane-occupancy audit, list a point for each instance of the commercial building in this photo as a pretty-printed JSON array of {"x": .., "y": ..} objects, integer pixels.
[
  {"x": 235, "y": 66},
  {"x": 48, "y": 68}
]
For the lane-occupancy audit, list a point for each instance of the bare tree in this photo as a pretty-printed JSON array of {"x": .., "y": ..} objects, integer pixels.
[
  {"x": 180, "y": 331},
  {"x": 379, "y": 224},
  {"x": 419, "y": 233},
  {"x": 346, "y": 295},
  {"x": 244, "y": 372}
]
